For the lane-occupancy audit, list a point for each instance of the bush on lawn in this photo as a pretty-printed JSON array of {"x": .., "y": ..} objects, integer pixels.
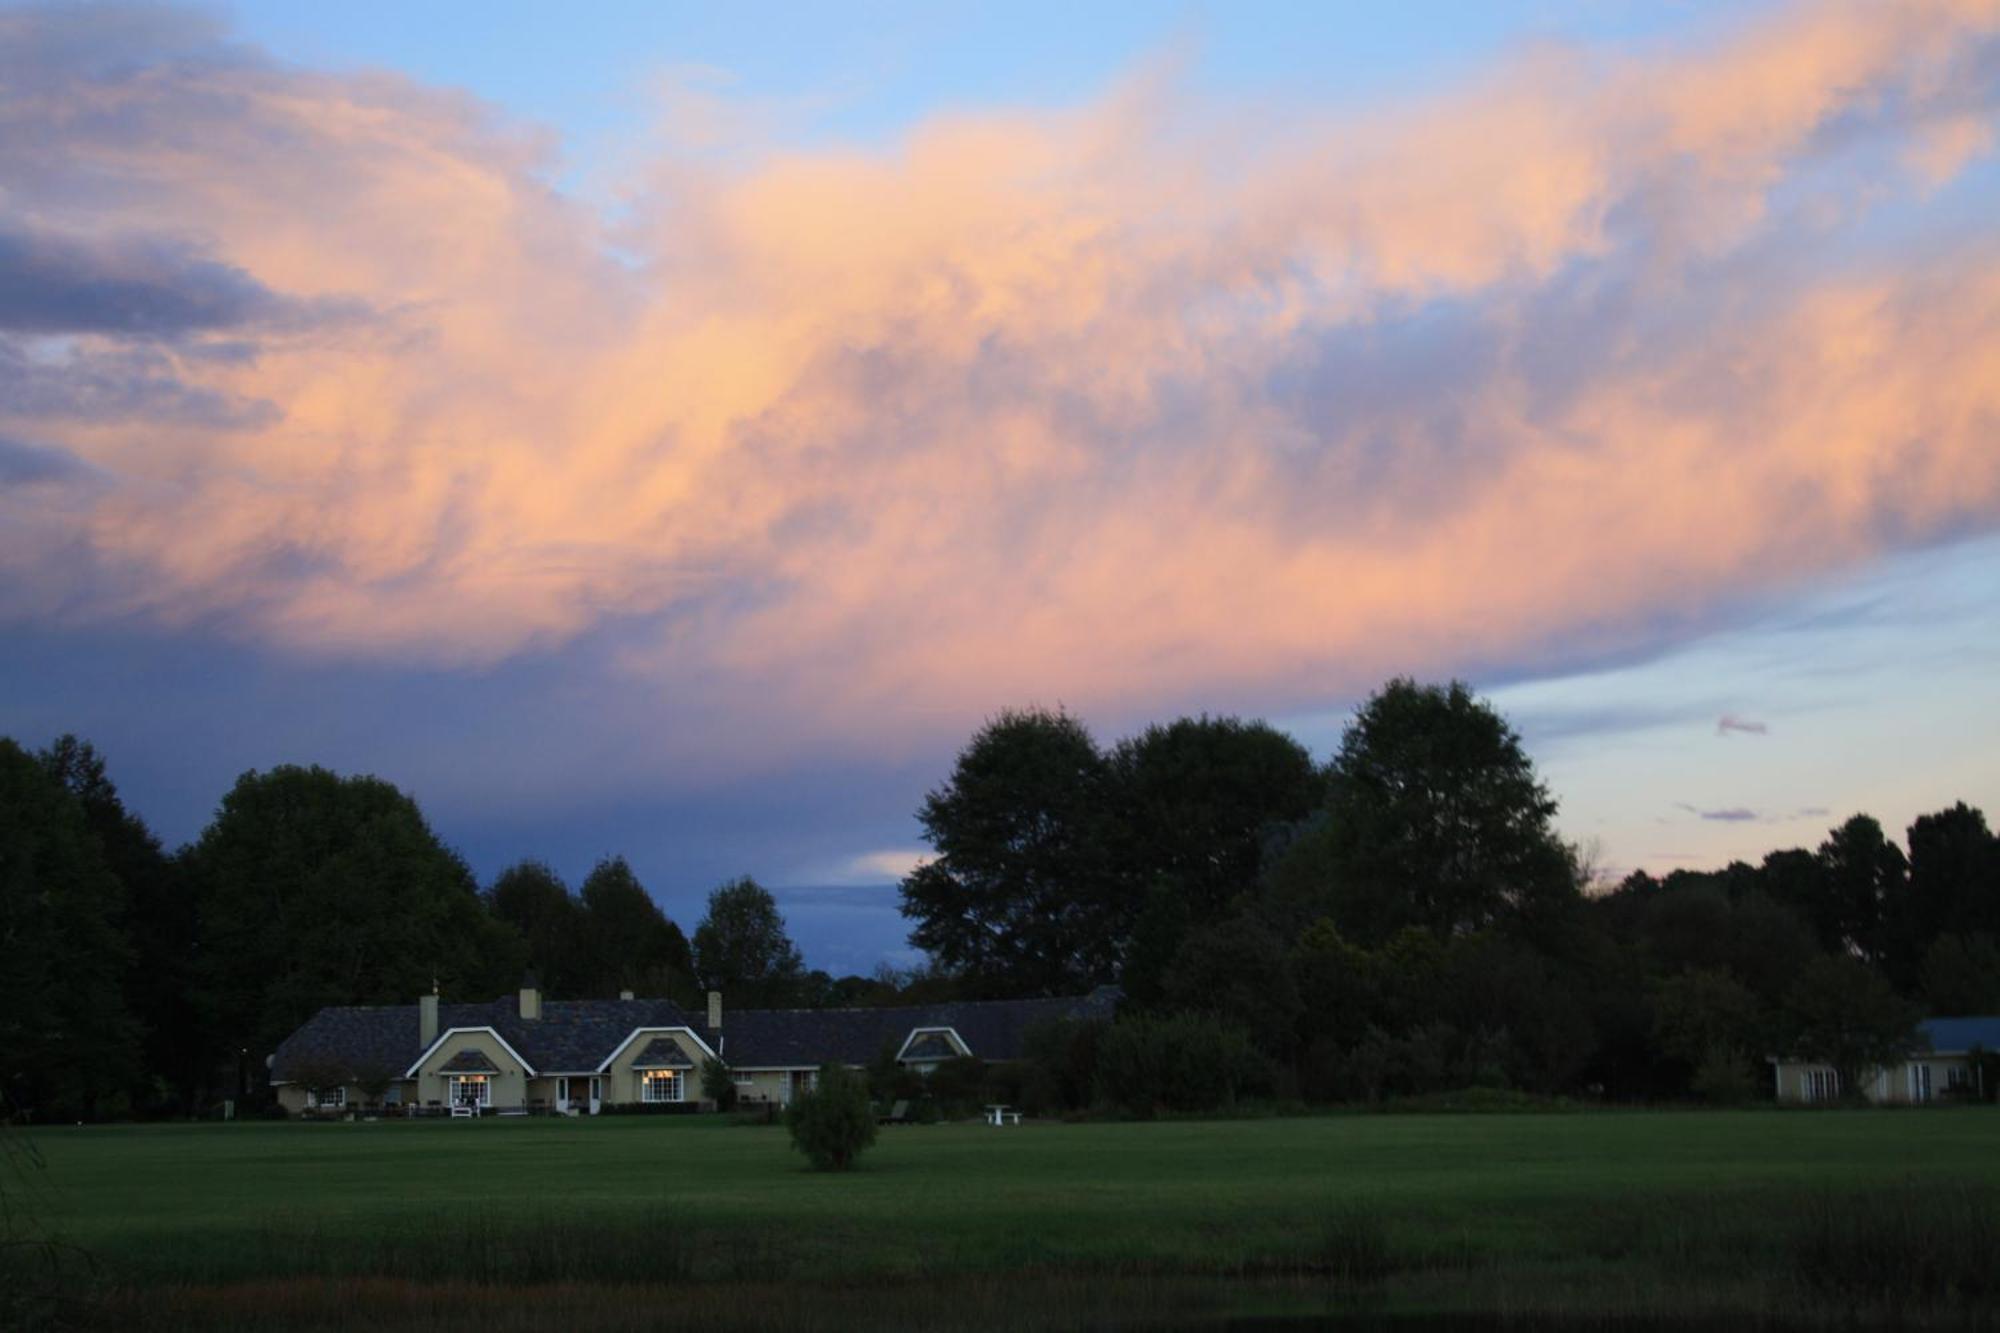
[
  {"x": 832, "y": 1123},
  {"x": 1180, "y": 1062}
]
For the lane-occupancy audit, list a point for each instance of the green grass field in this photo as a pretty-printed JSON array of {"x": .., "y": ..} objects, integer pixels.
[{"x": 1661, "y": 1212}]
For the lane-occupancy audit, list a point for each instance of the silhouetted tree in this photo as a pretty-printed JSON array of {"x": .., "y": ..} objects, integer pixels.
[
  {"x": 68, "y": 1044},
  {"x": 1022, "y": 897},
  {"x": 159, "y": 926},
  {"x": 630, "y": 942},
  {"x": 741, "y": 949},
  {"x": 1195, "y": 800},
  {"x": 1862, "y": 872},
  {"x": 532, "y": 898},
  {"x": 1435, "y": 819},
  {"x": 317, "y": 889}
]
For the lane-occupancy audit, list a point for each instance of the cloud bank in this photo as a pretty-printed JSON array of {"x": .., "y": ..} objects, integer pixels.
[{"x": 1123, "y": 405}]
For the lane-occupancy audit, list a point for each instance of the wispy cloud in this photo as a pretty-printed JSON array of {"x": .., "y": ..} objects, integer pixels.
[
  {"x": 1729, "y": 722},
  {"x": 1123, "y": 402},
  {"x": 1733, "y": 815},
  {"x": 888, "y": 866}
]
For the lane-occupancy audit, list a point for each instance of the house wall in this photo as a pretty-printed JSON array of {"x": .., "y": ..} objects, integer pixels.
[
  {"x": 292, "y": 1096},
  {"x": 766, "y": 1085},
  {"x": 509, "y": 1088},
  {"x": 1886, "y": 1086},
  {"x": 621, "y": 1081}
]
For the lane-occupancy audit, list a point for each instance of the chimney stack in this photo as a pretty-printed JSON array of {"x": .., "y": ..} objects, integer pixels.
[
  {"x": 531, "y": 998},
  {"x": 715, "y": 1011},
  {"x": 427, "y": 1018}
]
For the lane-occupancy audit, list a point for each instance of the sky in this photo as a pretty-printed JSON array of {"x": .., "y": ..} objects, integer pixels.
[{"x": 672, "y": 430}]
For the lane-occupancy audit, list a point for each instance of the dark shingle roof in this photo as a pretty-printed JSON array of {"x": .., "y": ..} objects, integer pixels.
[
  {"x": 571, "y": 1036},
  {"x": 798, "y": 1038},
  {"x": 576, "y": 1036},
  {"x": 662, "y": 1053},
  {"x": 469, "y": 1061}
]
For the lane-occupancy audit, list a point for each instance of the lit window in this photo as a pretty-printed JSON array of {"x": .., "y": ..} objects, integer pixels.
[
  {"x": 660, "y": 1085},
  {"x": 470, "y": 1090}
]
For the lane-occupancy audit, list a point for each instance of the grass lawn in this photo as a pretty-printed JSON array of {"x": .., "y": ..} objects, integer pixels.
[{"x": 1411, "y": 1204}]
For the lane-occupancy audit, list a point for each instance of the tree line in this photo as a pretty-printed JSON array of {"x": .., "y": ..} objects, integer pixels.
[
  {"x": 1404, "y": 919},
  {"x": 140, "y": 981}
]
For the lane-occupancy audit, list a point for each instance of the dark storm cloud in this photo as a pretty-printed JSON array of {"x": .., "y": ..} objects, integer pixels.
[
  {"x": 136, "y": 287},
  {"x": 24, "y": 464},
  {"x": 91, "y": 385}
]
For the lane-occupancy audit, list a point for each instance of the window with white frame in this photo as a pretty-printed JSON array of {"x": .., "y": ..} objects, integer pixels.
[
  {"x": 1957, "y": 1078},
  {"x": 326, "y": 1099},
  {"x": 1822, "y": 1085},
  {"x": 1920, "y": 1083},
  {"x": 469, "y": 1090},
  {"x": 660, "y": 1085}
]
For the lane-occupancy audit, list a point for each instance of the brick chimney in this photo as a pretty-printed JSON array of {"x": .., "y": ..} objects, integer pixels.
[
  {"x": 531, "y": 998},
  {"x": 715, "y": 1011},
  {"x": 427, "y": 1018}
]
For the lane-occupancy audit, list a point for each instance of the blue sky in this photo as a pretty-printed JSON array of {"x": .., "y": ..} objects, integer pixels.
[{"x": 680, "y": 448}]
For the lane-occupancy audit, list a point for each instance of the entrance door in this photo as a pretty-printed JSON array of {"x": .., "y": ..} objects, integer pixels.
[{"x": 596, "y": 1094}]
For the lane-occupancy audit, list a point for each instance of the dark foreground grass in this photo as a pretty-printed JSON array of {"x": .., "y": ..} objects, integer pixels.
[{"x": 1639, "y": 1218}]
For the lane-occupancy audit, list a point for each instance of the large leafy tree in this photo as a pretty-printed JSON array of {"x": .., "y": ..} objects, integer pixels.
[
  {"x": 1022, "y": 897},
  {"x": 1844, "y": 1014},
  {"x": 1953, "y": 888},
  {"x": 159, "y": 924},
  {"x": 1434, "y": 819},
  {"x": 68, "y": 1042},
  {"x": 1198, "y": 797},
  {"x": 630, "y": 943},
  {"x": 741, "y": 949},
  {"x": 317, "y": 889}
]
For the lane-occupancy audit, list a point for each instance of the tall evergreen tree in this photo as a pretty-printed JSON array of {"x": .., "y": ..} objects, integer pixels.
[
  {"x": 69, "y": 1046},
  {"x": 178, "y": 1058},
  {"x": 631, "y": 944},
  {"x": 532, "y": 898}
]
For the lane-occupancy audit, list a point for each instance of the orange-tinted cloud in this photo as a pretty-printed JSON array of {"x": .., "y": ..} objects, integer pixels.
[{"x": 1127, "y": 403}]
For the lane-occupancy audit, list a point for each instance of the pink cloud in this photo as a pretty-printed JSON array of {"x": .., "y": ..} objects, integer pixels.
[{"x": 1115, "y": 404}]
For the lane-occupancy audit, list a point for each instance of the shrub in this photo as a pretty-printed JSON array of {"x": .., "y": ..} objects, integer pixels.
[
  {"x": 832, "y": 1123},
  {"x": 1185, "y": 1062},
  {"x": 717, "y": 1084},
  {"x": 959, "y": 1084},
  {"x": 1061, "y": 1064}
]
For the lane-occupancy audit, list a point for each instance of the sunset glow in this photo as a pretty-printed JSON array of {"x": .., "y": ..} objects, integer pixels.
[{"x": 705, "y": 505}]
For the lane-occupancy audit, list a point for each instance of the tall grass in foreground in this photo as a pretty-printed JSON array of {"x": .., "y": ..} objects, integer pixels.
[{"x": 1771, "y": 1256}]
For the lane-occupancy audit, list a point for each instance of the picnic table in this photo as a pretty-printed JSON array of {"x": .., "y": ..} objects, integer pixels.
[{"x": 998, "y": 1115}]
